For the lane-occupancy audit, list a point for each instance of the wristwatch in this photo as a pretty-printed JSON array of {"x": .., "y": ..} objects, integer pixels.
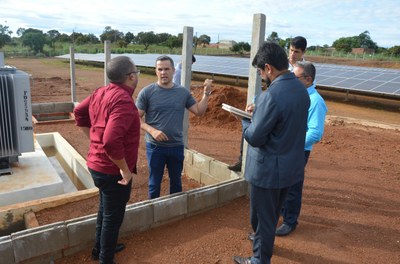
[{"x": 208, "y": 93}]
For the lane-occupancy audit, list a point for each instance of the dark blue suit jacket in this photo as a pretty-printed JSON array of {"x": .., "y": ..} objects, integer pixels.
[{"x": 276, "y": 134}]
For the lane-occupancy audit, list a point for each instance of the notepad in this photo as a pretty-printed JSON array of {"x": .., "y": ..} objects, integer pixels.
[{"x": 236, "y": 111}]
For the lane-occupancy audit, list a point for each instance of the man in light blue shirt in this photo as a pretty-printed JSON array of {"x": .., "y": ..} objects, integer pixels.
[{"x": 305, "y": 72}]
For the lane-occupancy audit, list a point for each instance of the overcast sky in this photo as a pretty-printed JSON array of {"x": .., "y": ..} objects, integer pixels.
[{"x": 320, "y": 21}]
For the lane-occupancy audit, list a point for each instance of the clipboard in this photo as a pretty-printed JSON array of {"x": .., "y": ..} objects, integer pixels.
[{"x": 236, "y": 111}]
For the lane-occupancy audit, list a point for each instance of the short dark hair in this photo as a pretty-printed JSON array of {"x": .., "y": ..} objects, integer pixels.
[
  {"x": 273, "y": 54},
  {"x": 118, "y": 69},
  {"x": 164, "y": 58},
  {"x": 308, "y": 68},
  {"x": 299, "y": 42},
  {"x": 193, "y": 59}
]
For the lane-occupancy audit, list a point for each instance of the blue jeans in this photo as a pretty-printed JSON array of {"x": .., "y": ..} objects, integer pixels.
[
  {"x": 157, "y": 158},
  {"x": 113, "y": 199},
  {"x": 292, "y": 205}
]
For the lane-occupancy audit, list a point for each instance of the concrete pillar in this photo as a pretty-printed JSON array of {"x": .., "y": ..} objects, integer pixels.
[
  {"x": 72, "y": 73},
  {"x": 254, "y": 84},
  {"x": 187, "y": 51},
  {"x": 107, "y": 58},
  {"x": 1, "y": 59}
]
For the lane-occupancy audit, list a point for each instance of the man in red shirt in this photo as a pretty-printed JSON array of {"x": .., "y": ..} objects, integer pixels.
[{"x": 110, "y": 119}]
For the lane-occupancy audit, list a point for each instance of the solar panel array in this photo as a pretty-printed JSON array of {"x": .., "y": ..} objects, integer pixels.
[{"x": 363, "y": 79}]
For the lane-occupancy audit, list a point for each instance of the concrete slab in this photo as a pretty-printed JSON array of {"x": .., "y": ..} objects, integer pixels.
[{"x": 33, "y": 178}]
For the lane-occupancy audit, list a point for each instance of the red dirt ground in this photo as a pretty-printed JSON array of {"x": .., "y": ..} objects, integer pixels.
[{"x": 351, "y": 198}]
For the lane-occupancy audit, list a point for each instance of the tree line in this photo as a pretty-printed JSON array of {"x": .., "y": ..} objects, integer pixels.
[
  {"x": 36, "y": 39},
  {"x": 344, "y": 44}
]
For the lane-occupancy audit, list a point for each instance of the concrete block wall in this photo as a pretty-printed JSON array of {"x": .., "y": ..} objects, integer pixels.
[
  {"x": 43, "y": 240},
  {"x": 6, "y": 250},
  {"x": 47, "y": 243},
  {"x": 206, "y": 170}
]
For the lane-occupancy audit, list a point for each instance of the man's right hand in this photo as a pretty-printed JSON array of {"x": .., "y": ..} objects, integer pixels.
[
  {"x": 126, "y": 177},
  {"x": 158, "y": 135}
]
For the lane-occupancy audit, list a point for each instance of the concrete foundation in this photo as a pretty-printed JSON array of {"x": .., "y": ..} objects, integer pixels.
[{"x": 33, "y": 177}]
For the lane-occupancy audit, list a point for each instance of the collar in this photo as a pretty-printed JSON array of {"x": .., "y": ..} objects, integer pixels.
[
  {"x": 125, "y": 87},
  {"x": 311, "y": 88},
  {"x": 284, "y": 75}
]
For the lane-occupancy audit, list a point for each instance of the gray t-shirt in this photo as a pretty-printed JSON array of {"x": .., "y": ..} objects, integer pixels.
[{"x": 164, "y": 110}]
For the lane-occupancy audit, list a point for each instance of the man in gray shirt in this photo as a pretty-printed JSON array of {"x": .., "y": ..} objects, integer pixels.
[{"x": 164, "y": 104}]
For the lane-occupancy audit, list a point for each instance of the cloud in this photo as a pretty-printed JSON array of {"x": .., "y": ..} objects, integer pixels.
[{"x": 321, "y": 22}]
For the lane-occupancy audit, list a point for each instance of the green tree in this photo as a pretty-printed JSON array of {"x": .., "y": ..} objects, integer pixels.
[
  {"x": 343, "y": 44},
  {"x": 241, "y": 47},
  {"x": 121, "y": 43},
  {"x": 394, "y": 51},
  {"x": 53, "y": 35},
  {"x": 5, "y": 35},
  {"x": 173, "y": 42},
  {"x": 92, "y": 38},
  {"x": 111, "y": 34},
  {"x": 346, "y": 44},
  {"x": 204, "y": 40},
  {"x": 64, "y": 38},
  {"x": 366, "y": 41},
  {"x": 162, "y": 37},
  {"x": 77, "y": 38},
  {"x": 129, "y": 37},
  {"x": 146, "y": 39},
  {"x": 274, "y": 37},
  {"x": 34, "y": 39},
  {"x": 20, "y": 31}
]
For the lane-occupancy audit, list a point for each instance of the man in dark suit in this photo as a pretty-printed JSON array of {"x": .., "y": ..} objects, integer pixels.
[{"x": 275, "y": 156}]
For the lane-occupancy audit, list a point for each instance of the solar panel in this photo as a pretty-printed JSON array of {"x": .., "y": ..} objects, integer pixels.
[{"x": 372, "y": 80}]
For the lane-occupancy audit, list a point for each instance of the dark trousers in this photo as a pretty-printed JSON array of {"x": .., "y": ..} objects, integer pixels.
[
  {"x": 157, "y": 158},
  {"x": 265, "y": 206},
  {"x": 113, "y": 199},
  {"x": 292, "y": 205}
]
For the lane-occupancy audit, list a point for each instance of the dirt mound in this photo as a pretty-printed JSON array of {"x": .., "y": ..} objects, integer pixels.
[{"x": 215, "y": 116}]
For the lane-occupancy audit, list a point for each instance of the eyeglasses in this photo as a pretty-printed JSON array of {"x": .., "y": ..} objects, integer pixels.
[{"x": 136, "y": 72}]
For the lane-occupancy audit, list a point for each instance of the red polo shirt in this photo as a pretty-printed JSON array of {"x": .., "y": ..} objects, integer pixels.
[{"x": 114, "y": 123}]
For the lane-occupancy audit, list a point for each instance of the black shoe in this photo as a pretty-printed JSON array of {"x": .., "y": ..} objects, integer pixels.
[
  {"x": 95, "y": 252},
  {"x": 284, "y": 230},
  {"x": 251, "y": 236},
  {"x": 236, "y": 167},
  {"x": 241, "y": 260}
]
